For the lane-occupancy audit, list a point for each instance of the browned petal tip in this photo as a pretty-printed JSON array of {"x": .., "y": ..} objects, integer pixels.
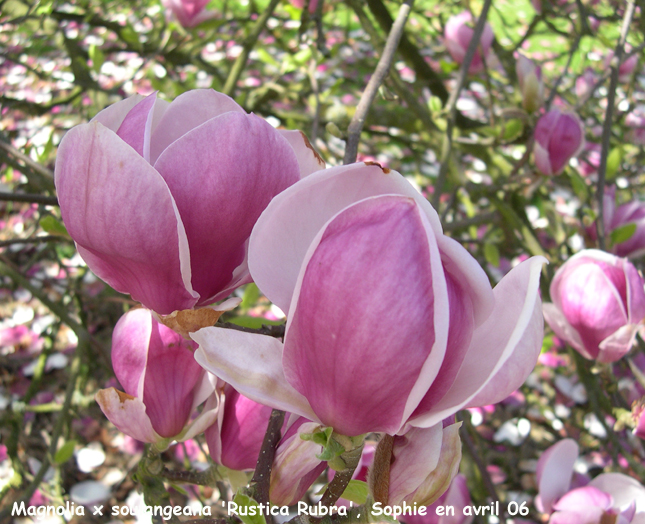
[
  {"x": 319, "y": 159},
  {"x": 123, "y": 396},
  {"x": 385, "y": 170},
  {"x": 188, "y": 321}
]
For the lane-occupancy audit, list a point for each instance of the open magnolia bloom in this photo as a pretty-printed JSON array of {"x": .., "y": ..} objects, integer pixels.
[
  {"x": 391, "y": 324},
  {"x": 608, "y": 498},
  {"x": 161, "y": 197},
  {"x": 598, "y": 304},
  {"x": 163, "y": 383}
]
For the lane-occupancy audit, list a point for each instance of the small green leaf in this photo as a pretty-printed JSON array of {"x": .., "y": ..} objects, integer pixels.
[
  {"x": 492, "y": 254},
  {"x": 512, "y": 129},
  {"x": 614, "y": 159},
  {"x": 97, "y": 57},
  {"x": 65, "y": 452},
  {"x": 254, "y": 322},
  {"x": 434, "y": 104},
  {"x": 252, "y": 512},
  {"x": 250, "y": 297},
  {"x": 130, "y": 35},
  {"x": 579, "y": 186},
  {"x": 623, "y": 233},
  {"x": 52, "y": 226},
  {"x": 356, "y": 491}
]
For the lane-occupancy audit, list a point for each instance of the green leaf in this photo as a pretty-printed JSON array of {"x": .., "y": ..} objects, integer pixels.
[
  {"x": 250, "y": 297},
  {"x": 622, "y": 233},
  {"x": 579, "y": 186},
  {"x": 512, "y": 129},
  {"x": 434, "y": 104},
  {"x": 52, "y": 226},
  {"x": 492, "y": 254},
  {"x": 97, "y": 57},
  {"x": 614, "y": 159},
  {"x": 244, "y": 501},
  {"x": 130, "y": 35},
  {"x": 356, "y": 491},
  {"x": 65, "y": 452},
  {"x": 254, "y": 322}
]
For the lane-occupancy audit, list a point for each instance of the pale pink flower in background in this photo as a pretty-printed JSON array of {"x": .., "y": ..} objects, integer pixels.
[
  {"x": 457, "y": 36},
  {"x": 598, "y": 304},
  {"x": 559, "y": 136},
  {"x": 529, "y": 77},
  {"x": 189, "y": 13}
]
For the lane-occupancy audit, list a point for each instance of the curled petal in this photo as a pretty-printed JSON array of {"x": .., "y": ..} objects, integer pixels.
[
  {"x": 130, "y": 341},
  {"x": 127, "y": 413},
  {"x": 554, "y": 471},
  {"x": 309, "y": 160}
]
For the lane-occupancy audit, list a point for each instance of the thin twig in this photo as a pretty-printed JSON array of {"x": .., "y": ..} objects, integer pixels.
[
  {"x": 276, "y": 331},
  {"x": 247, "y": 47},
  {"x": 606, "y": 129},
  {"x": 381, "y": 71},
  {"x": 35, "y": 167},
  {"x": 8, "y": 196},
  {"x": 451, "y": 106},
  {"x": 261, "y": 481},
  {"x": 34, "y": 240}
]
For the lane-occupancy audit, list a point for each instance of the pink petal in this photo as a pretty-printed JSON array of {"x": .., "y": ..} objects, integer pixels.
[
  {"x": 136, "y": 127},
  {"x": 236, "y": 163},
  {"x": 130, "y": 341},
  {"x": 287, "y": 228},
  {"x": 415, "y": 455},
  {"x": 563, "y": 330},
  {"x": 554, "y": 471},
  {"x": 372, "y": 262},
  {"x": 127, "y": 414},
  {"x": 583, "y": 515},
  {"x": 206, "y": 418},
  {"x": 171, "y": 378},
  {"x": 622, "y": 488},
  {"x": 252, "y": 364},
  {"x": 308, "y": 158},
  {"x": 188, "y": 111},
  {"x": 581, "y": 497},
  {"x": 113, "y": 115},
  {"x": 512, "y": 327},
  {"x": 123, "y": 218}
]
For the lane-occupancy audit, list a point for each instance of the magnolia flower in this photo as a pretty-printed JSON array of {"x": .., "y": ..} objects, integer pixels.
[
  {"x": 529, "y": 77},
  {"x": 163, "y": 383},
  {"x": 558, "y": 138},
  {"x": 391, "y": 324},
  {"x": 598, "y": 304},
  {"x": 236, "y": 438},
  {"x": 616, "y": 217},
  {"x": 313, "y": 5},
  {"x": 585, "y": 83},
  {"x": 457, "y": 36},
  {"x": 189, "y": 13},
  {"x": 161, "y": 197},
  {"x": 610, "y": 497}
]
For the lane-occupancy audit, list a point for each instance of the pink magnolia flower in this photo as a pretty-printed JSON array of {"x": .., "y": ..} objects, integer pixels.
[
  {"x": 236, "y": 438},
  {"x": 163, "y": 383},
  {"x": 529, "y": 77},
  {"x": 585, "y": 83},
  {"x": 638, "y": 411},
  {"x": 589, "y": 161},
  {"x": 558, "y": 138},
  {"x": 610, "y": 497},
  {"x": 391, "y": 324},
  {"x": 189, "y": 13},
  {"x": 313, "y": 5},
  {"x": 457, "y": 496},
  {"x": 296, "y": 466},
  {"x": 636, "y": 121},
  {"x": 626, "y": 67},
  {"x": 457, "y": 36},
  {"x": 161, "y": 197},
  {"x": 632, "y": 212},
  {"x": 598, "y": 304}
]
